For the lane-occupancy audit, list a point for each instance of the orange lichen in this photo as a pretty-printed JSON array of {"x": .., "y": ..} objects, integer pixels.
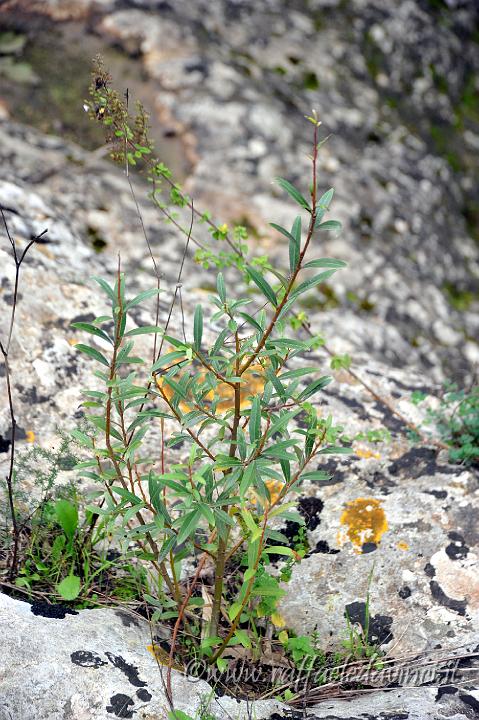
[
  {"x": 162, "y": 656},
  {"x": 365, "y": 521},
  {"x": 30, "y": 436},
  {"x": 402, "y": 545},
  {"x": 366, "y": 453}
]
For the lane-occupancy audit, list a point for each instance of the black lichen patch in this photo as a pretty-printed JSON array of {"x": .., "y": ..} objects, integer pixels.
[
  {"x": 389, "y": 419},
  {"x": 445, "y": 690},
  {"x": 120, "y": 705},
  {"x": 439, "y": 494},
  {"x": 417, "y": 462},
  {"x": 457, "y": 549},
  {"x": 85, "y": 658},
  {"x": 404, "y": 592},
  {"x": 4, "y": 444},
  {"x": 127, "y": 620},
  {"x": 438, "y": 594},
  {"x": 323, "y": 547},
  {"x": 379, "y": 627},
  {"x": 144, "y": 695},
  {"x": 131, "y": 671},
  {"x": 310, "y": 508},
  {"x": 380, "y": 481},
  {"x": 45, "y": 609},
  {"x": 368, "y": 547},
  {"x": 471, "y": 701},
  {"x": 429, "y": 570}
]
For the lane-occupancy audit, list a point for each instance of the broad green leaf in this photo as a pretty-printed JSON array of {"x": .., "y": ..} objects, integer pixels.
[
  {"x": 263, "y": 285},
  {"x": 234, "y": 610},
  {"x": 70, "y": 587},
  {"x": 293, "y": 192},
  {"x": 198, "y": 327},
  {"x": 242, "y": 637},
  {"x": 250, "y": 573},
  {"x": 95, "y": 354},
  {"x": 67, "y": 517}
]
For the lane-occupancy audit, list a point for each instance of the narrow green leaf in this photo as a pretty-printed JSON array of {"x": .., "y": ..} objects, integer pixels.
[
  {"x": 325, "y": 263},
  {"x": 145, "y": 295},
  {"x": 104, "y": 285},
  {"x": 279, "y": 550},
  {"x": 329, "y": 225},
  {"x": 95, "y": 354},
  {"x": 248, "y": 479},
  {"x": 254, "y": 426},
  {"x": 198, "y": 327},
  {"x": 293, "y": 192},
  {"x": 251, "y": 321},
  {"x": 86, "y": 327},
  {"x": 220, "y": 286},
  {"x": 188, "y": 525},
  {"x": 325, "y": 200},
  {"x": 314, "y": 387},
  {"x": 309, "y": 284},
  {"x": 144, "y": 330},
  {"x": 168, "y": 359},
  {"x": 336, "y": 450},
  {"x": 295, "y": 244},
  {"x": 263, "y": 285},
  {"x": 316, "y": 476}
]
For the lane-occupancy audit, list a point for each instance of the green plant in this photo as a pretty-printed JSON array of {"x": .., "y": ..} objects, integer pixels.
[
  {"x": 233, "y": 397},
  {"x": 456, "y": 421},
  {"x": 357, "y": 643},
  {"x": 62, "y": 559}
]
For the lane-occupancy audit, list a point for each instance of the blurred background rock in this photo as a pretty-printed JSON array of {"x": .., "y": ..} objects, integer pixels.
[{"x": 227, "y": 84}]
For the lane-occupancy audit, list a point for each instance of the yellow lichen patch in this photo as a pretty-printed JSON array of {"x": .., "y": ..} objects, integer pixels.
[
  {"x": 162, "y": 656},
  {"x": 365, "y": 522},
  {"x": 30, "y": 436},
  {"x": 367, "y": 453},
  {"x": 402, "y": 545},
  {"x": 253, "y": 384}
]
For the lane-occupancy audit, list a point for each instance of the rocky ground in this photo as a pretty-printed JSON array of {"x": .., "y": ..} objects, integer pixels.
[{"x": 233, "y": 80}]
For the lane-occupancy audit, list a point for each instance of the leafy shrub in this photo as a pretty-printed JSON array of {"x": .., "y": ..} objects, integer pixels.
[{"x": 229, "y": 391}]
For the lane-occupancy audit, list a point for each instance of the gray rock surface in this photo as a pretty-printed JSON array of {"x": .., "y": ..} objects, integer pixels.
[{"x": 96, "y": 665}]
